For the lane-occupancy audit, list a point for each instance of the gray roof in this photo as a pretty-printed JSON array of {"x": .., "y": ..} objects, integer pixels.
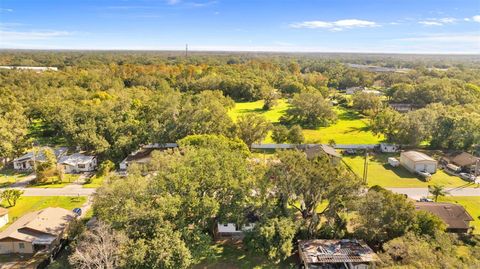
[
  {"x": 323, "y": 251},
  {"x": 313, "y": 151},
  {"x": 417, "y": 156},
  {"x": 76, "y": 158},
  {"x": 40, "y": 156}
]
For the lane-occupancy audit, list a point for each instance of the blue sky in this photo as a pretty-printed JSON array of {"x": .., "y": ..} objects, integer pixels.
[{"x": 404, "y": 26}]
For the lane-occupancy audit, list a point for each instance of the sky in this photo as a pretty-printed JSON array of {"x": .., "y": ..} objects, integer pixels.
[{"x": 383, "y": 26}]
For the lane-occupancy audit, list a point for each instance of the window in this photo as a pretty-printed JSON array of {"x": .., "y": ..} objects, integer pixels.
[
  {"x": 225, "y": 225},
  {"x": 81, "y": 166},
  {"x": 21, "y": 245}
]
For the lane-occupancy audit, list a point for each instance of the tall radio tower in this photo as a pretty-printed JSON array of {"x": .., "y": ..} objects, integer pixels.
[{"x": 186, "y": 50}]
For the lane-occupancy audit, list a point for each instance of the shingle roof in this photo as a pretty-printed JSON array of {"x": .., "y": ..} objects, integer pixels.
[
  {"x": 455, "y": 216},
  {"x": 43, "y": 224},
  {"x": 335, "y": 251},
  {"x": 417, "y": 156},
  {"x": 39, "y": 156},
  {"x": 76, "y": 158},
  {"x": 464, "y": 159},
  {"x": 313, "y": 151}
]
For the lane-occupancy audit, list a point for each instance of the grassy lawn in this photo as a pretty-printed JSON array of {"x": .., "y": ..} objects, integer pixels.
[
  {"x": 351, "y": 128},
  {"x": 471, "y": 204},
  {"x": 272, "y": 115},
  {"x": 381, "y": 173},
  {"x": 229, "y": 256},
  {"x": 51, "y": 182},
  {"x": 38, "y": 131},
  {"x": 9, "y": 176},
  {"x": 96, "y": 182},
  {"x": 28, "y": 204}
]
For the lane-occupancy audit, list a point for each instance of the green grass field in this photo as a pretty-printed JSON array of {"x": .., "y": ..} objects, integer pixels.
[
  {"x": 28, "y": 204},
  {"x": 382, "y": 174},
  {"x": 471, "y": 204},
  {"x": 351, "y": 128},
  {"x": 51, "y": 182},
  {"x": 9, "y": 176},
  {"x": 95, "y": 183},
  {"x": 231, "y": 256}
]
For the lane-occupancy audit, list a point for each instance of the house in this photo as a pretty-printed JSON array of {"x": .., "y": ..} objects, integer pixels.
[
  {"x": 3, "y": 217},
  {"x": 313, "y": 151},
  {"x": 78, "y": 163},
  {"x": 144, "y": 154},
  {"x": 374, "y": 92},
  {"x": 233, "y": 230},
  {"x": 388, "y": 148},
  {"x": 465, "y": 161},
  {"x": 402, "y": 108},
  {"x": 26, "y": 161},
  {"x": 454, "y": 215},
  {"x": 36, "y": 231},
  {"x": 415, "y": 162},
  {"x": 353, "y": 90},
  {"x": 331, "y": 254}
]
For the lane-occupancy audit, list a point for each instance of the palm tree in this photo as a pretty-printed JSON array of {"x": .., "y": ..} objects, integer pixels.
[{"x": 437, "y": 190}]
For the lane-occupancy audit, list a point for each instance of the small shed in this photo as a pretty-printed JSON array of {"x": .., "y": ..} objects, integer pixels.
[
  {"x": 388, "y": 148},
  {"x": 393, "y": 161},
  {"x": 415, "y": 162}
]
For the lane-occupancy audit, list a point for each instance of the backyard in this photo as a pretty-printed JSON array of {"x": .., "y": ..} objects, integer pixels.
[
  {"x": 382, "y": 174},
  {"x": 28, "y": 204},
  {"x": 351, "y": 128}
]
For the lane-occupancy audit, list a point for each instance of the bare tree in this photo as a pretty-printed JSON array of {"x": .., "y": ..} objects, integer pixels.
[{"x": 98, "y": 248}]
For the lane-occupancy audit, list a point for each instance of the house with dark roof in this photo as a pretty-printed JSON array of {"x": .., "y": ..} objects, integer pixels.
[
  {"x": 144, "y": 154},
  {"x": 336, "y": 254},
  {"x": 315, "y": 150},
  {"x": 454, "y": 215},
  {"x": 36, "y": 231},
  {"x": 464, "y": 160}
]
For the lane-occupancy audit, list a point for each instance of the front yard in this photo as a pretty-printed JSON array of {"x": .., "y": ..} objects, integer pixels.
[
  {"x": 382, "y": 174},
  {"x": 9, "y": 176},
  {"x": 52, "y": 182},
  {"x": 28, "y": 204}
]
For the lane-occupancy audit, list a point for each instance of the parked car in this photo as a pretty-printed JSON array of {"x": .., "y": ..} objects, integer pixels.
[
  {"x": 349, "y": 152},
  {"x": 467, "y": 177},
  {"x": 425, "y": 199},
  {"x": 77, "y": 211},
  {"x": 425, "y": 175}
]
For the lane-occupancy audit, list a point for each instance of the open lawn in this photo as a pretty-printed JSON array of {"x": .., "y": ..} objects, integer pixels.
[
  {"x": 38, "y": 132},
  {"x": 230, "y": 256},
  {"x": 471, "y": 204},
  {"x": 96, "y": 182},
  {"x": 9, "y": 176},
  {"x": 351, "y": 128},
  {"x": 51, "y": 182},
  {"x": 382, "y": 174},
  {"x": 28, "y": 204}
]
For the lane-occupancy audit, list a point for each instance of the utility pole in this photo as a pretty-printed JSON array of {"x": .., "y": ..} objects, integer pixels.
[
  {"x": 365, "y": 167},
  {"x": 186, "y": 50}
]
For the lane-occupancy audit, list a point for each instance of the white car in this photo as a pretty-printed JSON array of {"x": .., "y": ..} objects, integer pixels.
[
  {"x": 425, "y": 175},
  {"x": 467, "y": 177}
]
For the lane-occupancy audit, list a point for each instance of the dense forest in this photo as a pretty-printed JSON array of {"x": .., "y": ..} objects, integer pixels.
[{"x": 163, "y": 215}]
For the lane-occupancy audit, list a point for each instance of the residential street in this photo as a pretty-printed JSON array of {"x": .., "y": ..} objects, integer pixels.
[{"x": 417, "y": 193}]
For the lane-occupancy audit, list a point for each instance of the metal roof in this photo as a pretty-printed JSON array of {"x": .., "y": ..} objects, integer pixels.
[
  {"x": 417, "y": 156},
  {"x": 335, "y": 251}
]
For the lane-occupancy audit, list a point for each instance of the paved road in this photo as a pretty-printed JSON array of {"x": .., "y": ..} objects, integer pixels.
[{"x": 417, "y": 193}]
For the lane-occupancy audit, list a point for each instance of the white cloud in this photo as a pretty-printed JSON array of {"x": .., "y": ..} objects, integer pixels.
[
  {"x": 8, "y": 35},
  {"x": 173, "y": 2},
  {"x": 476, "y": 18},
  {"x": 437, "y": 22},
  {"x": 335, "y": 25},
  {"x": 6, "y": 10}
]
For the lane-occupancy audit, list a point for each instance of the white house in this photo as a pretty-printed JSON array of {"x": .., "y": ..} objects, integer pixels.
[
  {"x": 388, "y": 148},
  {"x": 353, "y": 90},
  {"x": 3, "y": 217},
  {"x": 233, "y": 230},
  {"x": 26, "y": 161},
  {"x": 415, "y": 162},
  {"x": 78, "y": 163}
]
